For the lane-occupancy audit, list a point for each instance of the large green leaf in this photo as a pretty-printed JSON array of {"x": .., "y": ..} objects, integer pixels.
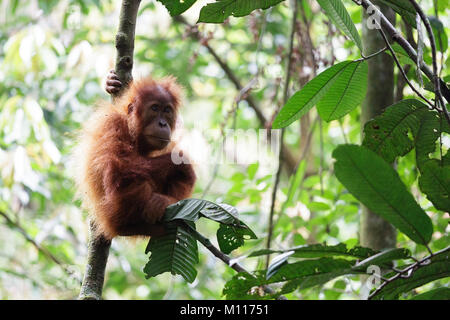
[
  {"x": 435, "y": 294},
  {"x": 437, "y": 267},
  {"x": 218, "y": 11},
  {"x": 231, "y": 233},
  {"x": 384, "y": 257},
  {"x": 387, "y": 134},
  {"x": 347, "y": 92},
  {"x": 175, "y": 252},
  {"x": 434, "y": 181},
  {"x": 301, "y": 274},
  {"x": 308, "y": 273},
  {"x": 303, "y": 100},
  {"x": 177, "y": 7},
  {"x": 377, "y": 185},
  {"x": 336, "y": 11},
  {"x": 194, "y": 209},
  {"x": 321, "y": 250}
]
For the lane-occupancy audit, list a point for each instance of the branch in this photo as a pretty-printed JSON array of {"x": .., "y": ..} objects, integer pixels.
[
  {"x": 397, "y": 37},
  {"x": 222, "y": 256},
  {"x": 41, "y": 249},
  {"x": 408, "y": 271},
  {"x": 125, "y": 42},
  {"x": 98, "y": 246},
  {"x": 287, "y": 155},
  {"x": 435, "y": 79},
  {"x": 280, "y": 156}
]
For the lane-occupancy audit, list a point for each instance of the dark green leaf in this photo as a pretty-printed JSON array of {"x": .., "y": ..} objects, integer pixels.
[
  {"x": 177, "y": 7},
  {"x": 347, "y": 92},
  {"x": 377, "y": 185},
  {"x": 308, "y": 273},
  {"x": 277, "y": 263},
  {"x": 434, "y": 181},
  {"x": 383, "y": 257},
  {"x": 218, "y": 11},
  {"x": 435, "y": 294},
  {"x": 336, "y": 11},
  {"x": 302, "y": 274},
  {"x": 321, "y": 250},
  {"x": 231, "y": 237},
  {"x": 175, "y": 252},
  {"x": 387, "y": 134},
  {"x": 303, "y": 100}
]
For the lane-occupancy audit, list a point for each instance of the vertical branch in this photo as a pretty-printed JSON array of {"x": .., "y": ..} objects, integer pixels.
[
  {"x": 375, "y": 232},
  {"x": 98, "y": 246},
  {"x": 280, "y": 157},
  {"x": 125, "y": 42},
  {"x": 97, "y": 257}
]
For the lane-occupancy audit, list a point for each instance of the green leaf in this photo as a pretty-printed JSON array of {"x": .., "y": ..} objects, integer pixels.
[
  {"x": 175, "y": 252},
  {"x": 439, "y": 34},
  {"x": 309, "y": 273},
  {"x": 437, "y": 267},
  {"x": 401, "y": 54},
  {"x": 303, "y": 100},
  {"x": 231, "y": 237},
  {"x": 434, "y": 181},
  {"x": 301, "y": 274},
  {"x": 377, "y": 185},
  {"x": 277, "y": 263},
  {"x": 435, "y": 294},
  {"x": 177, "y": 7},
  {"x": 218, "y": 11},
  {"x": 387, "y": 134},
  {"x": 347, "y": 92},
  {"x": 232, "y": 232},
  {"x": 430, "y": 129},
  {"x": 403, "y": 8},
  {"x": 384, "y": 257},
  {"x": 321, "y": 250},
  {"x": 336, "y": 11},
  {"x": 194, "y": 209}
]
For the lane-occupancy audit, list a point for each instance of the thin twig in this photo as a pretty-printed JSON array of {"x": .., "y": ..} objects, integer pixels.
[
  {"x": 397, "y": 37},
  {"x": 397, "y": 62},
  {"x": 222, "y": 256},
  {"x": 193, "y": 31},
  {"x": 411, "y": 268},
  {"x": 437, "y": 87},
  {"x": 40, "y": 248}
]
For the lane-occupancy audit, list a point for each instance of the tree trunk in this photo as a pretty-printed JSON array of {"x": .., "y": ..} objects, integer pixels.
[
  {"x": 98, "y": 247},
  {"x": 375, "y": 232}
]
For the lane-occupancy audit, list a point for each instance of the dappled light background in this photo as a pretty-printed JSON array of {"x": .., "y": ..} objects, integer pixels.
[{"x": 54, "y": 58}]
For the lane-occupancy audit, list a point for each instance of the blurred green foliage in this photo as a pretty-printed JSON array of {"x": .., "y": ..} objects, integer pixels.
[{"x": 54, "y": 56}]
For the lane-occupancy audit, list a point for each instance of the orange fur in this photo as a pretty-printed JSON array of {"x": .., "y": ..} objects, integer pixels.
[{"x": 124, "y": 191}]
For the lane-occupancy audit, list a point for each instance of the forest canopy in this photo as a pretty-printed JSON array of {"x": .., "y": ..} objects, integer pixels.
[{"x": 318, "y": 130}]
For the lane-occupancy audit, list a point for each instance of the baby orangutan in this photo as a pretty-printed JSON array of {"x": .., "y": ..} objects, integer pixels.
[{"x": 126, "y": 177}]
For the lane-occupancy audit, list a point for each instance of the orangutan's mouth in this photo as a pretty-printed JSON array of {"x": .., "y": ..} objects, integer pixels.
[{"x": 158, "y": 138}]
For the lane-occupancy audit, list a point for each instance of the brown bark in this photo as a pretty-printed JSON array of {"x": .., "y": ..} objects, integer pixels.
[
  {"x": 375, "y": 232},
  {"x": 98, "y": 246}
]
